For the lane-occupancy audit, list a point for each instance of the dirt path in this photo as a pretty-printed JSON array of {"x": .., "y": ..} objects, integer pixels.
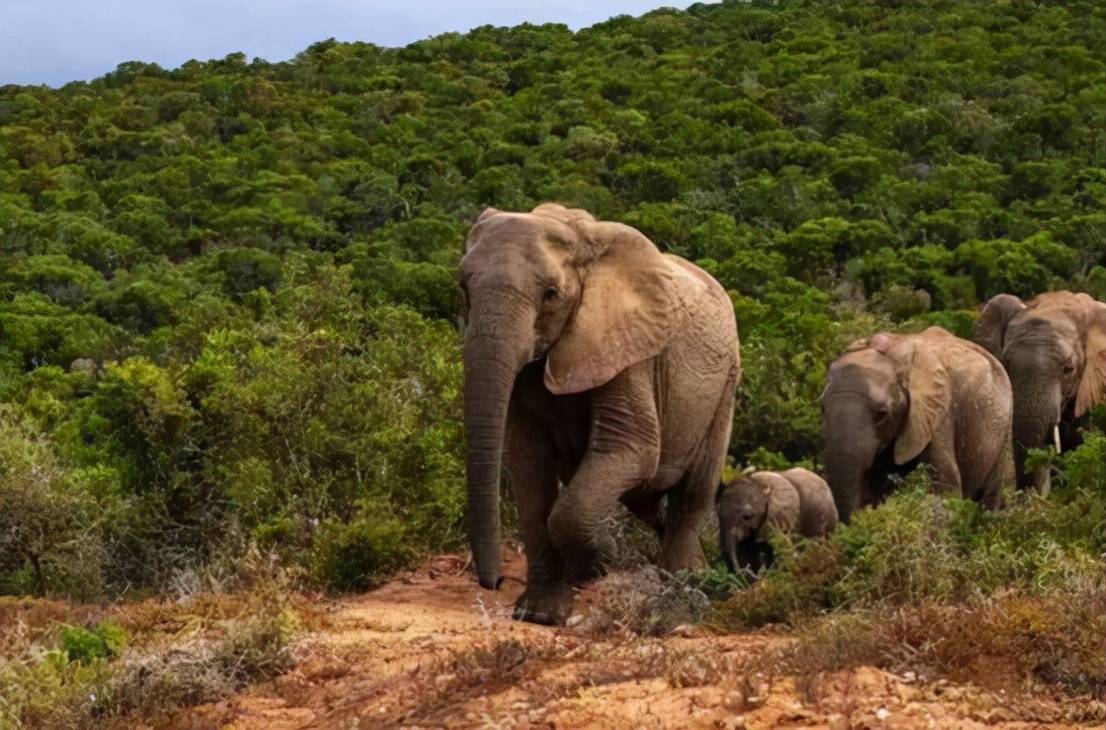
[{"x": 431, "y": 650}]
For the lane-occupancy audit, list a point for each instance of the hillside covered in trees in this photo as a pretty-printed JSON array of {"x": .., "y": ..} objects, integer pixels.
[{"x": 228, "y": 300}]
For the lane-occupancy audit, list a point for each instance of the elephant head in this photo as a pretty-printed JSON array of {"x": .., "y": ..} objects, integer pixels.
[
  {"x": 886, "y": 390},
  {"x": 748, "y": 507},
  {"x": 592, "y": 298},
  {"x": 1054, "y": 349}
]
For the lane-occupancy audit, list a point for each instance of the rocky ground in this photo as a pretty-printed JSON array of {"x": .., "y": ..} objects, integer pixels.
[{"x": 432, "y": 650}]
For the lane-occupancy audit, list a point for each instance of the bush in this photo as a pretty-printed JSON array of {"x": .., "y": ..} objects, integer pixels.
[
  {"x": 645, "y": 602},
  {"x": 104, "y": 641},
  {"x": 49, "y": 541},
  {"x": 91, "y": 679},
  {"x": 918, "y": 547},
  {"x": 355, "y": 555},
  {"x": 1055, "y": 638}
]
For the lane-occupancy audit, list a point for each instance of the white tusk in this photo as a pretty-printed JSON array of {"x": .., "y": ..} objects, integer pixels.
[{"x": 1056, "y": 437}]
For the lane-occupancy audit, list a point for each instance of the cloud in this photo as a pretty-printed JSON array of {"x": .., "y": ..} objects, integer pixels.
[{"x": 55, "y": 41}]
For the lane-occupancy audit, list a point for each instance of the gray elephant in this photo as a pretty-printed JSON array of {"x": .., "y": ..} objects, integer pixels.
[
  {"x": 796, "y": 502},
  {"x": 602, "y": 371},
  {"x": 1054, "y": 349},
  {"x": 892, "y": 401}
]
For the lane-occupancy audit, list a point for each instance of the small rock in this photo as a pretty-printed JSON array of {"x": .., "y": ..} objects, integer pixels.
[
  {"x": 684, "y": 630},
  {"x": 882, "y": 714},
  {"x": 574, "y": 620},
  {"x": 909, "y": 677}
]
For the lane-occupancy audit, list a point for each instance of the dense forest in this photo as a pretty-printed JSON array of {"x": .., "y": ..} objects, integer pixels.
[{"x": 228, "y": 303}]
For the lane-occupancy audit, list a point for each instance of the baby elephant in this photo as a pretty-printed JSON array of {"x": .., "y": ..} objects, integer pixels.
[{"x": 795, "y": 501}]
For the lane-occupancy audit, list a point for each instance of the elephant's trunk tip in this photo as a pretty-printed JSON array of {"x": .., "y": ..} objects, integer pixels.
[{"x": 489, "y": 572}]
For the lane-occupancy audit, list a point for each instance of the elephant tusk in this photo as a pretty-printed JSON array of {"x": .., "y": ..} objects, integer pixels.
[{"x": 1056, "y": 437}]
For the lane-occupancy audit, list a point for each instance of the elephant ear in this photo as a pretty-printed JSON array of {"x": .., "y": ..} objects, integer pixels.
[
  {"x": 783, "y": 504},
  {"x": 930, "y": 389},
  {"x": 630, "y": 306},
  {"x": 1092, "y": 386},
  {"x": 990, "y": 330}
]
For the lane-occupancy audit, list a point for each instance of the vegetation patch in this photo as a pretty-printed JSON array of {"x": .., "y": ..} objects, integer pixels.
[{"x": 89, "y": 677}]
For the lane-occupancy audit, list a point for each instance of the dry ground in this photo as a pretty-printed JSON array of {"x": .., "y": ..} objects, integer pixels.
[{"x": 432, "y": 650}]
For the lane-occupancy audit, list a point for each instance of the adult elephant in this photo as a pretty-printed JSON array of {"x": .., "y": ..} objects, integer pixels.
[
  {"x": 1054, "y": 348},
  {"x": 607, "y": 369},
  {"x": 892, "y": 401}
]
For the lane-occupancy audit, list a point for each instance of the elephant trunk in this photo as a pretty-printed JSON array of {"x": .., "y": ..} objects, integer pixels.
[
  {"x": 851, "y": 446},
  {"x": 494, "y": 352},
  {"x": 1036, "y": 416},
  {"x": 729, "y": 549},
  {"x": 845, "y": 474}
]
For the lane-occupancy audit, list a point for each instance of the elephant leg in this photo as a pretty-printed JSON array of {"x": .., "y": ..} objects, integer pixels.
[
  {"x": 623, "y": 453},
  {"x": 689, "y": 501},
  {"x": 991, "y": 492},
  {"x": 531, "y": 462},
  {"x": 680, "y": 545},
  {"x": 946, "y": 473}
]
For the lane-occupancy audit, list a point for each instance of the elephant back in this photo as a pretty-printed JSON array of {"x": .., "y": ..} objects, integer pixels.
[{"x": 818, "y": 513}]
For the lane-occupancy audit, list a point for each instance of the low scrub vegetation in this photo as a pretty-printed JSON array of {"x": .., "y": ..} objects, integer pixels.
[
  {"x": 101, "y": 675},
  {"x": 925, "y": 580}
]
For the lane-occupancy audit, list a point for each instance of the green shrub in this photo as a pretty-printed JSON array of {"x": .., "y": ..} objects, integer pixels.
[
  {"x": 104, "y": 641},
  {"x": 917, "y": 547},
  {"x": 49, "y": 539},
  {"x": 355, "y": 555}
]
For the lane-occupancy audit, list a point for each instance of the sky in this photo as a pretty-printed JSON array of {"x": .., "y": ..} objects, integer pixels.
[{"x": 56, "y": 41}]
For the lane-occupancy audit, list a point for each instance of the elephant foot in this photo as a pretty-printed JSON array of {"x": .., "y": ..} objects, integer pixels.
[{"x": 547, "y": 605}]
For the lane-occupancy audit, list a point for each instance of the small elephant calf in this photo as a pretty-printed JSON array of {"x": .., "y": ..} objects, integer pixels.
[{"x": 795, "y": 501}]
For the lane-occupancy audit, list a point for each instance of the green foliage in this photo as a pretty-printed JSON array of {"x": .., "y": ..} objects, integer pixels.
[
  {"x": 351, "y": 556},
  {"x": 919, "y": 548},
  {"x": 90, "y": 677},
  {"x": 104, "y": 641},
  {"x": 49, "y": 540}
]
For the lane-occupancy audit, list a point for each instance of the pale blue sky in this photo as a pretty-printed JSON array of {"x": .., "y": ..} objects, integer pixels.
[{"x": 55, "y": 41}]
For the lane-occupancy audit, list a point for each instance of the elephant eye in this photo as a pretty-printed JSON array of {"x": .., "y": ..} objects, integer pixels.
[
  {"x": 550, "y": 294},
  {"x": 881, "y": 415},
  {"x": 1069, "y": 368}
]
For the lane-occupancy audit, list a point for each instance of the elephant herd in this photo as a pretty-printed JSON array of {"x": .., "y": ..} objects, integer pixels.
[{"x": 599, "y": 371}]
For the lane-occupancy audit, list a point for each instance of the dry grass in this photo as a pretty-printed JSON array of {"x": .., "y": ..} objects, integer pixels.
[
  {"x": 644, "y": 602},
  {"x": 179, "y": 659},
  {"x": 1054, "y": 640}
]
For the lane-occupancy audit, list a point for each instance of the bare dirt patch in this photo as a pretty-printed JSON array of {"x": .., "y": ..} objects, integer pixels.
[{"x": 433, "y": 650}]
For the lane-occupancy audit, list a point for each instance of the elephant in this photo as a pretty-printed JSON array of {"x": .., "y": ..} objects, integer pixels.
[
  {"x": 894, "y": 400},
  {"x": 1054, "y": 349},
  {"x": 598, "y": 370},
  {"x": 796, "y": 501}
]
